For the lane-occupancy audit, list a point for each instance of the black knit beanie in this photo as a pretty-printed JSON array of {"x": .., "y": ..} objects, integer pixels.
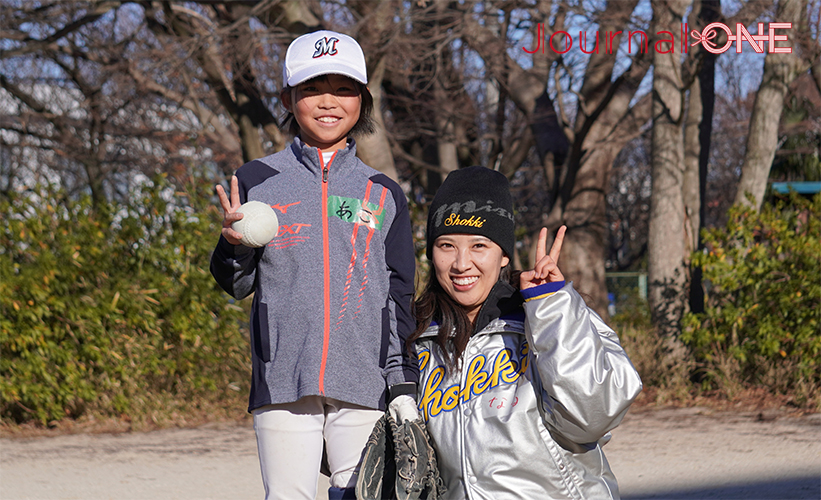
[{"x": 473, "y": 200}]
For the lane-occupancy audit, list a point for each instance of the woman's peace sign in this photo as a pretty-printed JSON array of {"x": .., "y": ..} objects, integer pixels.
[{"x": 546, "y": 269}]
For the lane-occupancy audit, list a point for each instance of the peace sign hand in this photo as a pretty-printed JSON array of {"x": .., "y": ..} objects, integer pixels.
[
  {"x": 229, "y": 210},
  {"x": 546, "y": 269}
]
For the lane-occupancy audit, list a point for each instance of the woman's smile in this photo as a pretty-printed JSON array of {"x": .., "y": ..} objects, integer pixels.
[
  {"x": 464, "y": 282},
  {"x": 467, "y": 267}
]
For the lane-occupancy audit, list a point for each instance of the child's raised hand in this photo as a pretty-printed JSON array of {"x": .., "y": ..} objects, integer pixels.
[
  {"x": 229, "y": 209},
  {"x": 546, "y": 269}
]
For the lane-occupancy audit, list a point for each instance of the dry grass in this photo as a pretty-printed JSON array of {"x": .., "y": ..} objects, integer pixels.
[
  {"x": 161, "y": 413},
  {"x": 670, "y": 380}
]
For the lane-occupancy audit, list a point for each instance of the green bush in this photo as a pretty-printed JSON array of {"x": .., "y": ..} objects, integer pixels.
[
  {"x": 762, "y": 325},
  {"x": 112, "y": 309}
]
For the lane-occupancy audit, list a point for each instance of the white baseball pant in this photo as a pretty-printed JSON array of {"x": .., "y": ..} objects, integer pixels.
[{"x": 290, "y": 440}]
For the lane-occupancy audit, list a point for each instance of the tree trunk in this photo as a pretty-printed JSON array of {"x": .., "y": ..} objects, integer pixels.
[
  {"x": 691, "y": 181},
  {"x": 446, "y": 147},
  {"x": 667, "y": 238},
  {"x": 762, "y": 141},
  {"x": 444, "y": 116},
  {"x": 375, "y": 149},
  {"x": 583, "y": 210},
  {"x": 710, "y": 12}
]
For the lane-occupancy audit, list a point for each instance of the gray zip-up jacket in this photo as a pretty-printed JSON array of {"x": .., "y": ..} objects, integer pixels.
[
  {"x": 331, "y": 308},
  {"x": 540, "y": 386}
]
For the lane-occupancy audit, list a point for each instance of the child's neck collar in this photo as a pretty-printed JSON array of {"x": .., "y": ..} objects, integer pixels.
[{"x": 313, "y": 157}]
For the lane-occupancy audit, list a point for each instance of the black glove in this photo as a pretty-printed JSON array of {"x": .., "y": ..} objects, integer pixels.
[{"x": 399, "y": 463}]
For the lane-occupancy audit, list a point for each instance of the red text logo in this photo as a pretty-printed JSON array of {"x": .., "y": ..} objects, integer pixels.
[
  {"x": 705, "y": 38},
  {"x": 561, "y": 42}
]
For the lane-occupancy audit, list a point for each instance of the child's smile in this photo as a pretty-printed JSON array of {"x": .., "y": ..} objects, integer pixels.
[{"x": 326, "y": 109}]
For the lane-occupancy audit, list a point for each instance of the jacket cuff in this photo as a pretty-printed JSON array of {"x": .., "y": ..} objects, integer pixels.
[
  {"x": 405, "y": 388},
  {"x": 542, "y": 291},
  {"x": 230, "y": 250}
]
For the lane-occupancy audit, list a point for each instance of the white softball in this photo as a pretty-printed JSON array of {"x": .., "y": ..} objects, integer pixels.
[{"x": 259, "y": 224}]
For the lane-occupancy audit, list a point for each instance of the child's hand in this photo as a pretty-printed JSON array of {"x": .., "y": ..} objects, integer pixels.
[
  {"x": 546, "y": 269},
  {"x": 229, "y": 211},
  {"x": 402, "y": 408}
]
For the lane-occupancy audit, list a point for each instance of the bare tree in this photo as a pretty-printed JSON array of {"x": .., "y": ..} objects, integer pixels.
[
  {"x": 575, "y": 152},
  {"x": 210, "y": 70},
  {"x": 217, "y": 72},
  {"x": 679, "y": 162},
  {"x": 73, "y": 110},
  {"x": 697, "y": 143},
  {"x": 432, "y": 113},
  {"x": 780, "y": 70},
  {"x": 374, "y": 31},
  {"x": 668, "y": 236},
  {"x": 100, "y": 91}
]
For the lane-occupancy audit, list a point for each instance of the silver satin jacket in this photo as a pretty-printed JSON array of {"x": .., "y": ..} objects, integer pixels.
[{"x": 540, "y": 386}]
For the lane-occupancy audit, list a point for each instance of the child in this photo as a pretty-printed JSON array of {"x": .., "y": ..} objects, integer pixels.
[
  {"x": 520, "y": 381},
  {"x": 332, "y": 291}
]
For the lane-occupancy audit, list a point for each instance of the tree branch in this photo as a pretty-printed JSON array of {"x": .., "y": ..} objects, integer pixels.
[{"x": 35, "y": 45}]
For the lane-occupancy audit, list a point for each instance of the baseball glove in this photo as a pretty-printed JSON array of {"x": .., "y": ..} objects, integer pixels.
[{"x": 399, "y": 463}]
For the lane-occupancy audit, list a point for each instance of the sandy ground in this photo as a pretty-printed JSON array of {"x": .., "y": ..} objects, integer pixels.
[{"x": 656, "y": 454}]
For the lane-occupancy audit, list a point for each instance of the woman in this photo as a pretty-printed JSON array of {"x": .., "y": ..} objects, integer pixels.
[{"x": 520, "y": 381}]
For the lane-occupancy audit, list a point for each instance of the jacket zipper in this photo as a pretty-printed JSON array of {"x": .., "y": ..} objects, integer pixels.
[{"x": 326, "y": 258}]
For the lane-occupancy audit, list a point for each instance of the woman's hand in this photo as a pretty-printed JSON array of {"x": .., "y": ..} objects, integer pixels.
[
  {"x": 229, "y": 210},
  {"x": 546, "y": 269}
]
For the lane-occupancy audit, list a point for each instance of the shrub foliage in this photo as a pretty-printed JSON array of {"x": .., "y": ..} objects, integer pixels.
[
  {"x": 112, "y": 309},
  {"x": 762, "y": 325}
]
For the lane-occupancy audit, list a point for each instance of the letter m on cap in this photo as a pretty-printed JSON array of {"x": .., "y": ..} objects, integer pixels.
[{"x": 325, "y": 46}]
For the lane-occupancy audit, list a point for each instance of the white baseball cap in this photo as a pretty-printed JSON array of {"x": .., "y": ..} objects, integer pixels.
[{"x": 324, "y": 53}]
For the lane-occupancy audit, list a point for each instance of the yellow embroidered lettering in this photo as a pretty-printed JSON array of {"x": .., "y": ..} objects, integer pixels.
[
  {"x": 523, "y": 358},
  {"x": 503, "y": 369},
  {"x": 450, "y": 399},
  {"x": 455, "y": 220},
  {"x": 476, "y": 381},
  {"x": 431, "y": 397},
  {"x": 510, "y": 373},
  {"x": 424, "y": 357}
]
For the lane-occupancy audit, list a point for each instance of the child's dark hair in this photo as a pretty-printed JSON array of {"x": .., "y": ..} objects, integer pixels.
[{"x": 364, "y": 126}]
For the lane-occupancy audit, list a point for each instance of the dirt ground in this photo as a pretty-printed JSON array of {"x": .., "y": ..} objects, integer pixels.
[{"x": 666, "y": 454}]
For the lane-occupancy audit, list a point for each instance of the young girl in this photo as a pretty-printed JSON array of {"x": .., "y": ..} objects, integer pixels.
[
  {"x": 520, "y": 381},
  {"x": 332, "y": 291}
]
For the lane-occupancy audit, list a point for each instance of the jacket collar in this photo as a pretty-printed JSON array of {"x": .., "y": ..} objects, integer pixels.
[
  {"x": 502, "y": 300},
  {"x": 309, "y": 155}
]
